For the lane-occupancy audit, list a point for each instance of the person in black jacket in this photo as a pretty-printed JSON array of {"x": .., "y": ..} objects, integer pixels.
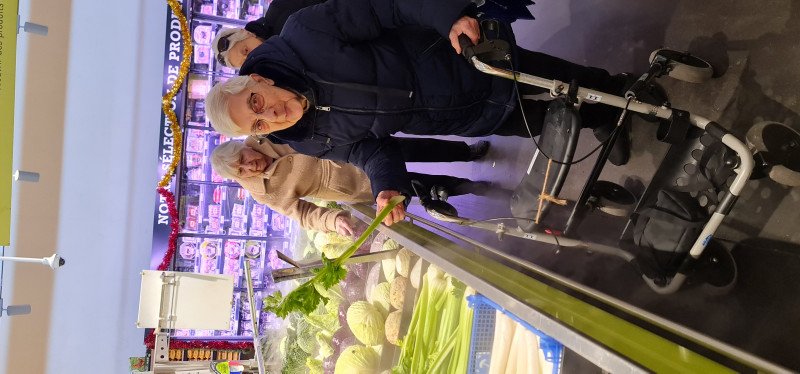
[
  {"x": 231, "y": 46},
  {"x": 336, "y": 89}
]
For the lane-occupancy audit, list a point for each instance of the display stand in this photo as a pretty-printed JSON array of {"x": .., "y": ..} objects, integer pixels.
[
  {"x": 256, "y": 331},
  {"x": 176, "y": 300}
]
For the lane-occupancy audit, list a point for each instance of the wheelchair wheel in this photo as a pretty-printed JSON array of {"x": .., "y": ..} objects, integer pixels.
[
  {"x": 685, "y": 67},
  {"x": 778, "y": 146},
  {"x": 612, "y": 199},
  {"x": 717, "y": 269}
]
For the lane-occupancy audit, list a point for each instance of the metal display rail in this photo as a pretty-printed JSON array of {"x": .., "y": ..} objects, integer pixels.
[{"x": 612, "y": 343}]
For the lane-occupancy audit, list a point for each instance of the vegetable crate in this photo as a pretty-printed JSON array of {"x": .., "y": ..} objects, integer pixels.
[{"x": 483, "y": 335}]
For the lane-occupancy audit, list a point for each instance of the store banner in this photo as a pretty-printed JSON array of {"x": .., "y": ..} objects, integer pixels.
[
  {"x": 173, "y": 52},
  {"x": 8, "y": 61}
]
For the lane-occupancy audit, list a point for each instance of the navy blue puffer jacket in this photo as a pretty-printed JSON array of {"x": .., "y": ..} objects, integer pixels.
[{"x": 373, "y": 68}]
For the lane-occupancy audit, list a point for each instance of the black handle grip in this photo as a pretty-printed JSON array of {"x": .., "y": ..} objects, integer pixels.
[{"x": 466, "y": 46}]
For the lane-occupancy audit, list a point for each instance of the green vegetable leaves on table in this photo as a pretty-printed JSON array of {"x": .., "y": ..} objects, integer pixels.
[{"x": 306, "y": 298}]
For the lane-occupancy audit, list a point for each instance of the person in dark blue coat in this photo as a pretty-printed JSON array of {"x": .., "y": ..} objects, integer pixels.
[
  {"x": 231, "y": 46},
  {"x": 344, "y": 76}
]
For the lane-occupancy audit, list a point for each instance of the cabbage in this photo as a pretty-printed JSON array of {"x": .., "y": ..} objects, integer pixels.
[
  {"x": 358, "y": 359},
  {"x": 325, "y": 344},
  {"x": 306, "y": 333},
  {"x": 314, "y": 366},
  {"x": 353, "y": 287},
  {"x": 327, "y": 322},
  {"x": 332, "y": 306},
  {"x": 390, "y": 244},
  {"x": 366, "y": 322},
  {"x": 416, "y": 273},
  {"x": 341, "y": 340},
  {"x": 309, "y": 250},
  {"x": 372, "y": 280},
  {"x": 332, "y": 244},
  {"x": 388, "y": 269},
  {"x": 380, "y": 297},
  {"x": 403, "y": 261},
  {"x": 310, "y": 234},
  {"x": 282, "y": 345}
]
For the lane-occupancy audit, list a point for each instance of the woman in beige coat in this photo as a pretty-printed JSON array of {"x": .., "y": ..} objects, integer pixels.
[{"x": 279, "y": 177}]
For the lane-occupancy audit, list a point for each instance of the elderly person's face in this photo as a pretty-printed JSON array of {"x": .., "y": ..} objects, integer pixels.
[
  {"x": 252, "y": 163},
  {"x": 238, "y": 53},
  {"x": 265, "y": 108}
]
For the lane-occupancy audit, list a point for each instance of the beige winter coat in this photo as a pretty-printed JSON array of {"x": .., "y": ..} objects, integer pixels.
[{"x": 293, "y": 176}]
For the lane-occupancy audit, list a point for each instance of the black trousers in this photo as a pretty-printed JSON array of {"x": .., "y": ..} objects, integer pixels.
[
  {"x": 433, "y": 150},
  {"x": 549, "y": 67}
]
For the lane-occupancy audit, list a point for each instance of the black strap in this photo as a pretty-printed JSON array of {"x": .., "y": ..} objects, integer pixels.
[{"x": 671, "y": 217}]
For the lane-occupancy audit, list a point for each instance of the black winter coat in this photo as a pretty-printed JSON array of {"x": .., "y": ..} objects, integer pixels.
[
  {"x": 276, "y": 16},
  {"x": 370, "y": 75}
]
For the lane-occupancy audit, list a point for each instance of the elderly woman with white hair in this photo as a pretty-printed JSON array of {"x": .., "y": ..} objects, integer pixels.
[{"x": 277, "y": 176}]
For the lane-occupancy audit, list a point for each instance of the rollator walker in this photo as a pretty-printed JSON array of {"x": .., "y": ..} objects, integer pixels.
[{"x": 719, "y": 165}]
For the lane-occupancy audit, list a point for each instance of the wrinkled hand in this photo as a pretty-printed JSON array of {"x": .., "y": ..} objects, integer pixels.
[
  {"x": 343, "y": 226},
  {"x": 465, "y": 25},
  {"x": 397, "y": 214}
]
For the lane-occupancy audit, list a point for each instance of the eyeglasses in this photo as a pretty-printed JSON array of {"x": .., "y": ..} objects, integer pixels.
[
  {"x": 260, "y": 125},
  {"x": 222, "y": 45}
]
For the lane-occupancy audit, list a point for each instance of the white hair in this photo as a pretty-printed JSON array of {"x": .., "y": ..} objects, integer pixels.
[
  {"x": 236, "y": 35},
  {"x": 217, "y": 105},
  {"x": 225, "y": 159}
]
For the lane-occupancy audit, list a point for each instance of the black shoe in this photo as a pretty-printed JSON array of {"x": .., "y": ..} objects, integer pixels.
[
  {"x": 478, "y": 150},
  {"x": 439, "y": 193}
]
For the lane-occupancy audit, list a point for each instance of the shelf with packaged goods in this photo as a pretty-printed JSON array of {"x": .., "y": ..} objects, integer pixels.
[{"x": 238, "y": 10}]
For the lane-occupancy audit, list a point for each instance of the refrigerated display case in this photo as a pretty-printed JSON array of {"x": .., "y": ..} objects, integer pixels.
[{"x": 221, "y": 226}]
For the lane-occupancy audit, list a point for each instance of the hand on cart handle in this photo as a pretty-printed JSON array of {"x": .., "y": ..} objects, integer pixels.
[
  {"x": 464, "y": 33},
  {"x": 398, "y": 213}
]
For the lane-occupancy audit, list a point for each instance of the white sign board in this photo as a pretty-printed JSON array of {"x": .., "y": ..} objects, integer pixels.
[{"x": 190, "y": 300}]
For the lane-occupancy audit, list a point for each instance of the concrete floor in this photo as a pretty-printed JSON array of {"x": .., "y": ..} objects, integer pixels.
[{"x": 753, "y": 46}]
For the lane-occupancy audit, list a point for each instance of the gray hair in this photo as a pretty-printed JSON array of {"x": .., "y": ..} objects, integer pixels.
[
  {"x": 217, "y": 105},
  {"x": 236, "y": 35},
  {"x": 226, "y": 157}
]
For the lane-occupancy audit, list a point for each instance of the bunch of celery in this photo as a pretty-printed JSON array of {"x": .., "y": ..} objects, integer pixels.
[
  {"x": 439, "y": 334},
  {"x": 306, "y": 297}
]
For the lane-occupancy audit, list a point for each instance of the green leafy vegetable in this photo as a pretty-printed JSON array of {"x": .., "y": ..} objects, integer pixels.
[
  {"x": 325, "y": 344},
  {"x": 306, "y": 335},
  {"x": 440, "y": 329},
  {"x": 295, "y": 361},
  {"x": 326, "y": 322},
  {"x": 314, "y": 366},
  {"x": 331, "y": 244},
  {"x": 305, "y": 298}
]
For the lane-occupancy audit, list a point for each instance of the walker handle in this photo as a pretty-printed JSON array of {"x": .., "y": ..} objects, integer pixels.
[{"x": 466, "y": 47}]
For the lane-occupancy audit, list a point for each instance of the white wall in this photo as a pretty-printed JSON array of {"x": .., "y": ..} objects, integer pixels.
[{"x": 111, "y": 130}]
